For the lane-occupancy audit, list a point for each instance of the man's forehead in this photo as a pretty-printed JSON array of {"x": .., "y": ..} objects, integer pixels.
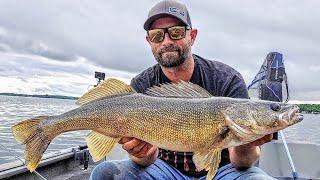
[{"x": 166, "y": 21}]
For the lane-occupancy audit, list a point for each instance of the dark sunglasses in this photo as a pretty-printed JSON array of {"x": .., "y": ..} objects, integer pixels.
[{"x": 175, "y": 33}]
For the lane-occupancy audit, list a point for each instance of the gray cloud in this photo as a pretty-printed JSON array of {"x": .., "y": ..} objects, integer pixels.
[
  {"x": 105, "y": 33},
  {"x": 109, "y": 34},
  {"x": 21, "y": 43},
  {"x": 22, "y": 66}
]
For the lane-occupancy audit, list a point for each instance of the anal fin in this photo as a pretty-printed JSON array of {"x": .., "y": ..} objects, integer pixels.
[
  {"x": 100, "y": 145},
  {"x": 208, "y": 160}
]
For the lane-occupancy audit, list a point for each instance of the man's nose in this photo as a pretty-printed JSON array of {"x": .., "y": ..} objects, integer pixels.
[{"x": 167, "y": 39}]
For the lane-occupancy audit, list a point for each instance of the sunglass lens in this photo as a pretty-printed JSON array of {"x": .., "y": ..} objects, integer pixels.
[
  {"x": 177, "y": 32},
  {"x": 156, "y": 35}
]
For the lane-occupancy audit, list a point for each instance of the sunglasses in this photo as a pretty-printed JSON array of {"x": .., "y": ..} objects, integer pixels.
[{"x": 175, "y": 33}]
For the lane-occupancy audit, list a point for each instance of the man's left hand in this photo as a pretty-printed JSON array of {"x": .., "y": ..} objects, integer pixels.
[
  {"x": 245, "y": 156},
  {"x": 261, "y": 141}
]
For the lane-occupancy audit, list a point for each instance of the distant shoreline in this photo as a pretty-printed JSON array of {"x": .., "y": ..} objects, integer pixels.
[
  {"x": 310, "y": 108},
  {"x": 40, "y": 96}
]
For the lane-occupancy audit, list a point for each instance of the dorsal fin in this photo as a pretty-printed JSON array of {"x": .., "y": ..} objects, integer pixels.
[
  {"x": 180, "y": 90},
  {"x": 109, "y": 87}
]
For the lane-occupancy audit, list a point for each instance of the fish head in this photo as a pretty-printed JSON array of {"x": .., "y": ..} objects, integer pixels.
[
  {"x": 274, "y": 116},
  {"x": 253, "y": 119}
]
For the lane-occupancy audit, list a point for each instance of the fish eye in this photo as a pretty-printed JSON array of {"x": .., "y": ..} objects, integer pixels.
[{"x": 275, "y": 106}]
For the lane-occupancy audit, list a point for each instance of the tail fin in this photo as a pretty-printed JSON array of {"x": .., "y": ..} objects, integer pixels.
[{"x": 30, "y": 133}]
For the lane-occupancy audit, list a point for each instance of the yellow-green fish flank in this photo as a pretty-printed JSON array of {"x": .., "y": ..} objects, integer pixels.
[{"x": 179, "y": 117}]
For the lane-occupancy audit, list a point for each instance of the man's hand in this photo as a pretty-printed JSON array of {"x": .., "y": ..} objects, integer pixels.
[
  {"x": 261, "y": 141},
  {"x": 140, "y": 151},
  {"x": 246, "y": 155}
]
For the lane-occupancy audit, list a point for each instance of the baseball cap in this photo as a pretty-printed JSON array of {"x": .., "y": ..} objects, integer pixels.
[{"x": 168, "y": 8}]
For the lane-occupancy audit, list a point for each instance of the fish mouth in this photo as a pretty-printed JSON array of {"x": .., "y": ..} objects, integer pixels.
[{"x": 290, "y": 117}]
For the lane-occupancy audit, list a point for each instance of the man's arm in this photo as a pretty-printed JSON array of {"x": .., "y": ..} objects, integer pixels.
[{"x": 244, "y": 156}]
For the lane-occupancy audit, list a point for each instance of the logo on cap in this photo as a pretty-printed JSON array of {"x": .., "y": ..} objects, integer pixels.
[{"x": 176, "y": 11}]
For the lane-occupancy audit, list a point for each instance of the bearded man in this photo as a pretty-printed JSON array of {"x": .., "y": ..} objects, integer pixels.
[{"x": 171, "y": 36}]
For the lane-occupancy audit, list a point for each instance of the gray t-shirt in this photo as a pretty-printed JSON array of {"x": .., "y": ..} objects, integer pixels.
[{"x": 217, "y": 78}]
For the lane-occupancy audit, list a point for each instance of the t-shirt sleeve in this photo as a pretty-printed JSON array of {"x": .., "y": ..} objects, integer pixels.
[
  {"x": 136, "y": 85},
  {"x": 144, "y": 80},
  {"x": 237, "y": 88}
]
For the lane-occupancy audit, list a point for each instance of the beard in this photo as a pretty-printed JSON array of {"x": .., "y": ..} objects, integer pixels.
[{"x": 171, "y": 56}]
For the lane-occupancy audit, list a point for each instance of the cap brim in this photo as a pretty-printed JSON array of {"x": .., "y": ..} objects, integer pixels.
[{"x": 149, "y": 21}]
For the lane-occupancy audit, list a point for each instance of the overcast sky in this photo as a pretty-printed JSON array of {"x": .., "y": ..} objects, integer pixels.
[{"x": 54, "y": 47}]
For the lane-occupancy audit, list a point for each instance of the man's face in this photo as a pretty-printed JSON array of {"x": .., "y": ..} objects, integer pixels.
[{"x": 171, "y": 53}]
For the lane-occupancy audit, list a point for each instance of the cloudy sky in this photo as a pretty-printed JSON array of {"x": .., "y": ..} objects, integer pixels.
[{"x": 54, "y": 47}]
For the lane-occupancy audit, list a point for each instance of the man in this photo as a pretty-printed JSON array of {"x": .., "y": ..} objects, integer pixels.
[{"x": 170, "y": 35}]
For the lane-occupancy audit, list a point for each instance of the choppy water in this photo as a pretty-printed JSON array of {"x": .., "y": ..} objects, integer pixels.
[{"x": 14, "y": 109}]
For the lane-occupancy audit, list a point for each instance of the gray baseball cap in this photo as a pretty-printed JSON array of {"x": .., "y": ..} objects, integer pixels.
[{"x": 168, "y": 8}]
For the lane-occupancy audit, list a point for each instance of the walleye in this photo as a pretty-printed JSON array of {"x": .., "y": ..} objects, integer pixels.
[{"x": 179, "y": 117}]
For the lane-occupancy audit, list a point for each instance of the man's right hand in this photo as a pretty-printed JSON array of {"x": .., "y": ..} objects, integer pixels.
[{"x": 140, "y": 151}]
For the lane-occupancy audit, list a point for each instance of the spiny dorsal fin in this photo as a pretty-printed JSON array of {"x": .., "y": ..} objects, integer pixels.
[
  {"x": 100, "y": 145},
  {"x": 180, "y": 90},
  {"x": 107, "y": 88}
]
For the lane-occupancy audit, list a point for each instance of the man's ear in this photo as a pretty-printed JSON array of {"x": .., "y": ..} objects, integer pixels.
[
  {"x": 193, "y": 35},
  {"x": 148, "y": 39}
]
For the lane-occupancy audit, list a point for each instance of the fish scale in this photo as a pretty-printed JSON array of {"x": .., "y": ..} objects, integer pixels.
[{"x": 179, "y": 117}]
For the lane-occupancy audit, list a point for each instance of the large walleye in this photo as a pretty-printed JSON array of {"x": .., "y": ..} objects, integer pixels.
[{"x": 179, "y": 117}]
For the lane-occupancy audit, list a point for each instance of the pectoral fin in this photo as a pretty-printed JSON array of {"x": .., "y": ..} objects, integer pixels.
[
  {"x": 208, "y": 160},
  {"x": 100, "y": 145},
  {"x": 240, "y": 132}
]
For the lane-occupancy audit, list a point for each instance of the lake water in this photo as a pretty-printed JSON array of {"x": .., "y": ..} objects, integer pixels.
[{"x": 14, "y": 109}]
